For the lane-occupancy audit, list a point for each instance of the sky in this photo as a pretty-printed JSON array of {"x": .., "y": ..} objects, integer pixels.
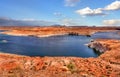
[{"x": 60, "y": 12}]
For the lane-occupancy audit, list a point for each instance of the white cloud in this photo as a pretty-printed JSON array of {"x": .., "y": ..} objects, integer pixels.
[
  {"x": 57, "y": 14},
  {"x": 99, "y": 11},
  {"x": 113, "y": 6},
  {"x": 112, "y": 22},
  {"x": 71, "y": 3},
  {"x": 28, "y": 19},
  {"x": 90, "y": 12},
  {"x": 68, "y": 22}
]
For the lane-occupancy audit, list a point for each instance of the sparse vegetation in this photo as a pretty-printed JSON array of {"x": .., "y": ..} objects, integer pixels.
[{"x": 72, "y": 68}]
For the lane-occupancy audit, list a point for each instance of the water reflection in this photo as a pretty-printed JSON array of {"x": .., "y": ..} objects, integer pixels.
[{"x": 52, "y": 46}]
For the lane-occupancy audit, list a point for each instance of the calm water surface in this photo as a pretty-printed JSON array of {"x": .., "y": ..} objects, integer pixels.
[{"x": 52, "y": 46}]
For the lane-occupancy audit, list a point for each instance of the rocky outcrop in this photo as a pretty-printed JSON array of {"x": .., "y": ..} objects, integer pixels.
[{"x": 98, "y": 46}]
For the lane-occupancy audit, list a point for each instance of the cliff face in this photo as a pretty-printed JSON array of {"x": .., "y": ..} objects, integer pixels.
[
  {"x": 106, "y": 65},
  {"x": 98, "y": 46},
  {"x": 113, "y": 54}
]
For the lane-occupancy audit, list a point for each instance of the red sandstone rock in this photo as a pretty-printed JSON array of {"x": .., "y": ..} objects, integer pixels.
[{"x": 8, "y": 65}]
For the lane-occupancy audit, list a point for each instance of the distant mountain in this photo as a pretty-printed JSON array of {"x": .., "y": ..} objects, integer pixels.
[
  {"x": 12, "y": 22},
  {"x": 57, "y": 25}
]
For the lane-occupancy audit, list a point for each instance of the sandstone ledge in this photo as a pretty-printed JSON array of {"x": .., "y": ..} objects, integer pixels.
[{"x": 106, "y": 65}]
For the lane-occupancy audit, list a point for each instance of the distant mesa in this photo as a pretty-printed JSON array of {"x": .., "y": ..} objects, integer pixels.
[
  {"x": 73, "y": 34},
  {"x": 57, "y": 25},
  {"x": 88, "y": 35}
]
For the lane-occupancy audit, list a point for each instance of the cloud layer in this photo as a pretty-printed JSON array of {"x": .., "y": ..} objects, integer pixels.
[
  {"x": 99, "y": 11},
  {"x": 90, "y": 12},
  {"x": 113, "y": 6},
  {"x": 112, "y": 22},
  {"x": 24, "y": 22},
  {"x": 71, "y": 3}
]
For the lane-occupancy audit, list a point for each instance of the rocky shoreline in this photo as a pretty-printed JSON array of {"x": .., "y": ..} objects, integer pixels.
[
  {"x": 54, "y": 31},
  {"x": 106, "y": 65},
  {"x": 98, "y": 46}
]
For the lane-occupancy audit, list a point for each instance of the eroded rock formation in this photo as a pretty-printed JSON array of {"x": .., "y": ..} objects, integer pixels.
[{"x": 98, "y": 46}]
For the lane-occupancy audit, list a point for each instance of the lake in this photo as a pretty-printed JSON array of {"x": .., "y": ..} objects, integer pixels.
[{"x": 52, "y": 46}]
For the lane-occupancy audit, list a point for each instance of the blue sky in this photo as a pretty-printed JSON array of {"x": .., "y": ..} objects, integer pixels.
[{"x": 64, "y": 12}]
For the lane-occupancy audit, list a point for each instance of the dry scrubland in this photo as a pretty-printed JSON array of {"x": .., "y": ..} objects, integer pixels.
[{"x": 106, "y": 65}]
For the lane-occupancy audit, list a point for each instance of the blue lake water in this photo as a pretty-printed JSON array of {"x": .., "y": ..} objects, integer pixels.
[{"x": 52, "y": 46}]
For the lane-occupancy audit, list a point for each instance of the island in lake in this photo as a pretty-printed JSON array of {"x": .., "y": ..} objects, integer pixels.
[{"x": 107, "y": 64}]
